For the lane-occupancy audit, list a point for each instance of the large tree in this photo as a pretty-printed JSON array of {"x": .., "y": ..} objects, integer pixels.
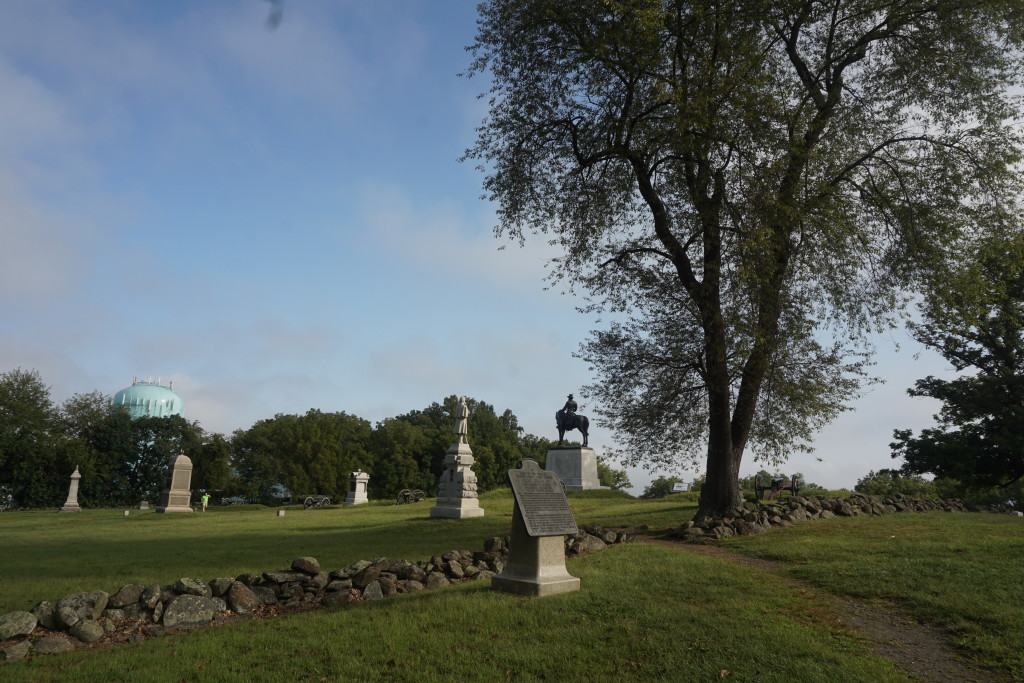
[
  {"x": 749, "y": 187},
  {"x": 977, "y": 324}
]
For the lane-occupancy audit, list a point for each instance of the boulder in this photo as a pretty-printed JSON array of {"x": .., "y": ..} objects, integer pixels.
[
  {"x": 87, "y": 631},
  {"x": 365, "y": 577},
  {"x": 46, "y": 614},
  {"x": 127, "y": 595},
  {"x": 412, "y": 572},
  {"x": 339, "y": 585},
  {"x": 454, "y": 570},
  {"x": 308, "y": 565},
  {"x": 284, "y": 577},
  {"x": 410, "y": 586},
  {"x": 241, "y": 598},
  {"x": 249, "y": 578},
  {"x": 158, "y": 612},
  {"x": 266, "y": 594},
  {"x": 150, "y": 597},
  {"x": 189, "y": 610},
  {"x": 192, "y": 586},
  {"x": 337, "y": 598},
  {"x": 73, "y": 608},
  {"x": 485, "y": 574},
  {"x": 53, "y": 645},
  {"x": 19, "y": 650},
  {"x": 114, "y": 614},
  {"x": 17, "y": 624},
  {"x": 316, "y": 582},
  {"x": 373, "y": 591},
  {"x": 437, "y": 580},
  {"x": 588, "y": 544},
  {"x": 220, "y": 586}
]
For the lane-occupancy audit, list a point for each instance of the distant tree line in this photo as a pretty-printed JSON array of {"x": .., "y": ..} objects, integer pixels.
[{"x": 123, "y": 461}]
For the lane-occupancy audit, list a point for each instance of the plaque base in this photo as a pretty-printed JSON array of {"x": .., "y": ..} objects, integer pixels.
[
  {"x": 456, "y": 512},
  {"x": 576, "y": 466},
  {"x": 536, "y": 564}
]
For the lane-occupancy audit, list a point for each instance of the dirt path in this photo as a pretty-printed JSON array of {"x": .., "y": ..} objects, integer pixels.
[{"x": 918, "y": 649}]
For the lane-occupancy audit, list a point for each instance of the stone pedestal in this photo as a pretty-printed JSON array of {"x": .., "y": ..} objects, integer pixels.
[
  {"x": 576, "y": 466},
  {"x": 536, "y": 564},
  {"x": 456, "y": 490},
  {"x": 177, "y": 497},
  {"x": 71, "y": 504},
  {"x": 357, "y": 487}
]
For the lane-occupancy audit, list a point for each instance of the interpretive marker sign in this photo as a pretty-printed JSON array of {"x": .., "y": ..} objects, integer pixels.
[{"x": 542, "y": 501}]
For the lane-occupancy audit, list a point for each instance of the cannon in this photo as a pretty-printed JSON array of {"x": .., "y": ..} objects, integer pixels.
[{"x": 776, "y": 487}]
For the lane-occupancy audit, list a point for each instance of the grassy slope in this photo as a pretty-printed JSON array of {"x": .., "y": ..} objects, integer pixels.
[{"x": 643, "y": 612}]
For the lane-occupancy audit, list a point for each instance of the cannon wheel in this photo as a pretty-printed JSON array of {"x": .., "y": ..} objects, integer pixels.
[
  {"x": 309, "y": 502},
  {"x": 417, "y": 496},
  {"x": 325, "y": 501},
  {"x": 403, "y": 497},
  {"x": 794, "y": 485},
  {"x": 759, "y": 487}
]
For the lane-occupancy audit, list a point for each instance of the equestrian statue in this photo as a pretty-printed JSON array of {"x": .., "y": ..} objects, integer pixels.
[{"x": 566, "y": 419}]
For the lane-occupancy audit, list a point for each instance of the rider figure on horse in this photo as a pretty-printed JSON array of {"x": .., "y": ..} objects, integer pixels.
[
  {"x": 566, "y": 419},
  {"x": 569, "y": 410}
]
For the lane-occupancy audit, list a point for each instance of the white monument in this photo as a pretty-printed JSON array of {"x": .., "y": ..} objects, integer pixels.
[
  {"x": 357, "y": 487},
  {"x": 456, "y": 489},
  {"x": 541, "y": 519},
  {"x": 178, "y": 495},
  {"x": 71, "y": 504},
  {"x": 576, "y": 466}
]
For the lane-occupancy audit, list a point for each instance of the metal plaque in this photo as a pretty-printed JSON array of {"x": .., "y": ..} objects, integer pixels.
[{"x": 542, "y": 502}]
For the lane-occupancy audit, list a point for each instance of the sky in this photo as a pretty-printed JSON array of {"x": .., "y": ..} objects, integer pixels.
[{"x": 277, "y": 220}]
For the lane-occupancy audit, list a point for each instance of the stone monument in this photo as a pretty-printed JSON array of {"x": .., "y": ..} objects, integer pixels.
[
  {"x": 576, "y": 466},
  {"x": 357, "y": 482},
  {"x": 456, "y": 489},
  {"x": 541, "y": 519},
  {"x": 178, "y": 495},
  {"x": 71, "y": 504}
]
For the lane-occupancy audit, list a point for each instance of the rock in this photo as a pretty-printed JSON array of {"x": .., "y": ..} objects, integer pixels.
[
  {"x": 127, "y": 595},
  {"x": 191, "y": 586},
  {"x": 373, "y": 591},
  {"x": 158, "y": 612},
  {"x": 437, "y": 580},
  {"x": 17, "y": 624},
  {"x": 220, "y": 604},
  {"x": 150, "y": 597},
  {"x": 388, "y": 586},
  {"x": 412, "y": 572},
  {"x": 266, "y": 594},
  {"x": 249, "y": 579},
  {"x": 485, "y": 574},
  {"x": 365, "y": 577},
  {"x": 53, "y": 645},
  {"x": 241, "y": 598},
  {"x": 471, "y": 571},
  {"x": 284, "y": 577},
  {"x": 492, "y": 545},
  {"x": 337, "y": 598},
  {"x": 588, "y": 544},
  {"x": 220, "y": 586},
  {"x": 108, "y": 625},
  {"x": 410, "y": 586},
  {"x": 350, "y": 570},
  {"x": 339, "y": 585},
  {"x": 113, "y": 614},
  {"x": 154, "y": 630},
  {"x": 46, "y": 614},
  {"x": 827, "y": 514},
  {"x": 454, "y": 570},
  {"x": 87, "y": 631},
  {"x": 134, "y": 610},
  {"x": 309, "y": 565},
  {"x": 167, "y": 593},
  {"x": 316, "y": 582},
  {"x": 19, "y": 650},
  {"x": 73, "y": 608},
  {"x": 188, "y": 610}
]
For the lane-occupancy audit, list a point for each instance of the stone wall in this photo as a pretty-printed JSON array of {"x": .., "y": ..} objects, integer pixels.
[
  {"x": 138, "y": 611},
  {"x": 758, "y": 518}
]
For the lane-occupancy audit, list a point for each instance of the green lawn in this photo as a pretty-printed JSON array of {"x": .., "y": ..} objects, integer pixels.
[{"x": 644, "y": 612}]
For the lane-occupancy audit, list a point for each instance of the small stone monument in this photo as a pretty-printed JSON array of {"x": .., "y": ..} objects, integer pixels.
[
  {"x": 71, "y": 504},
  {"x": 541, "y": 519},
  {"x": 357, "y": 483},
  {"x": 456, "y": 489},
  {"x": 144, "y": 505},
  {"x": 177, "y": 497},
  {"x": 576, "y": 466}
]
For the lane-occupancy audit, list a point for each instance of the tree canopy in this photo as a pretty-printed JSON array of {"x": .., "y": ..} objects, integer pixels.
[
  {"x": 750, "y": 188},
  {"x": 977, "y": 324}
]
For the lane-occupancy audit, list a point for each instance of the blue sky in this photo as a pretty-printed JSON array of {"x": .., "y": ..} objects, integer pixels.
[{"x": 277, "y": 221}]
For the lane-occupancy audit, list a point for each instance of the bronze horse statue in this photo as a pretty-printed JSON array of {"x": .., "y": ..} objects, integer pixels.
[{"x": 569, "y": 422}]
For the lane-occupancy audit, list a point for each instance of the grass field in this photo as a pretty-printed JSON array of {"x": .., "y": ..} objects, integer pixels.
[{"x": 644, "y": 612}]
